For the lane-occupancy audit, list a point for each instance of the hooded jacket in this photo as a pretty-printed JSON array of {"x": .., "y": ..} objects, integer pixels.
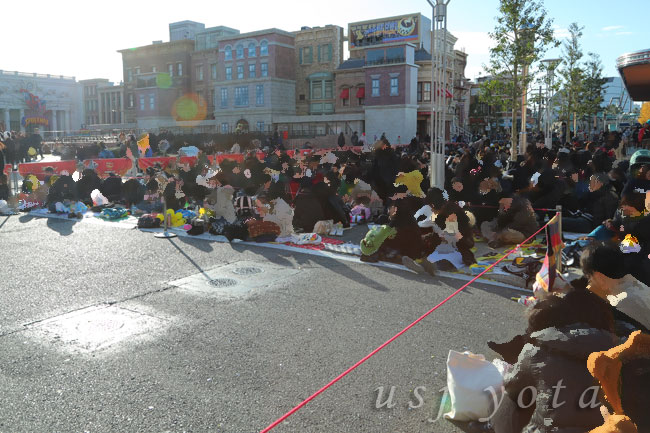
[{"x": 550, "y": 356}]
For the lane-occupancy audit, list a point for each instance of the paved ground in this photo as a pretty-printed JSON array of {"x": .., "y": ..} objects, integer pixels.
[{"x": 93, "y": 337}]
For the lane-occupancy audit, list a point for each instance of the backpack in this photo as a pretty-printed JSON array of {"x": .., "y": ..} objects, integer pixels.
[
  {"x": 245, "y": 207},
  {"x": 148, "y": 221}
]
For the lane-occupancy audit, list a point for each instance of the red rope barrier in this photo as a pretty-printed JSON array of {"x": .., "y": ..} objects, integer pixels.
[
  {"x": 371, "y": 354},
  {"x": 497, "y": 207}
]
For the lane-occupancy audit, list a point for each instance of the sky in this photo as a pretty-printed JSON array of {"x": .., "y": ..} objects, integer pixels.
[{"x": 81, "y": 38}]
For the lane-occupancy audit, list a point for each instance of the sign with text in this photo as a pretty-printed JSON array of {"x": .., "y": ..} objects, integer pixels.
[{"x": 403, "y": 28}]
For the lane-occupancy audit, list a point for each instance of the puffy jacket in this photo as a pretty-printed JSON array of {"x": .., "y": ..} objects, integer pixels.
[{"x": 550, "y": 356}]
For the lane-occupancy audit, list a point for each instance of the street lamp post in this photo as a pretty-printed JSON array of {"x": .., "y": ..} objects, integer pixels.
[
  {"x": 439, "y": 94},
  {"x": 550, "y": 75}
]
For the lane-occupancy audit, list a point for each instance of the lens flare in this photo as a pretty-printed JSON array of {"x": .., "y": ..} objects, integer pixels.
[
  {"x": 190, "y": 108},
  {"x": 163, "y": 80}
]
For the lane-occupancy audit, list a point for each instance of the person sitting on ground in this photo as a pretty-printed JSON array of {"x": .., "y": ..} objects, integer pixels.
[
  {"x": 602, "y": 203},
  {"x": 89, "y": 182},
  {"x": 609, "y": 276},
  {"x": 562, "y": 333},
  {"x": 514, "y": 223}
]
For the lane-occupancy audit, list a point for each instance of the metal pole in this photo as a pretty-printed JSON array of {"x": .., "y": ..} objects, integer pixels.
[
  {"x": 432, "y": 129},
  {"x": 558, "y": 260},
  {"x": 523, "y": 139}
]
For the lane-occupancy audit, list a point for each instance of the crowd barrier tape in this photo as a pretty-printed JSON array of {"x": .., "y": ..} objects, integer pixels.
[
  {"x": 395, "y": 337},
  {"x": 485, "y": 206}
]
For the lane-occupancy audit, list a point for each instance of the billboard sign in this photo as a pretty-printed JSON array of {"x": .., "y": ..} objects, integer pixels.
[{"x": 403, "y": 28}]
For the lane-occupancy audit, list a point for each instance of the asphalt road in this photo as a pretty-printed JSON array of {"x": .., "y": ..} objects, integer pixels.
[{"x": 93, "y": 337}]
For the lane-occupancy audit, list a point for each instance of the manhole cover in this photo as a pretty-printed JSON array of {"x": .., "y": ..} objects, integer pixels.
[
  {"x": 223, "y": 282},
  {"x": 248, "y": 270}
]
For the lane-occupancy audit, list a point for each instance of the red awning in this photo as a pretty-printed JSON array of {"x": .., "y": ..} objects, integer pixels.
[
  {"x": 345, "y": 93},
  {"x": 361, "y": 92}
]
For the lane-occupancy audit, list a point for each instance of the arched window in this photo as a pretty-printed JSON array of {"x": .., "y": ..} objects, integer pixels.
[
  {"x": 251, "y": 50},
  {"x": 228, "y": 51},
  {"x": 264, "y": 48},
  {"x": 240, "y": 51}
]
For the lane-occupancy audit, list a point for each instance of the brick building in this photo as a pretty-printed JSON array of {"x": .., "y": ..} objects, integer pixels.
[
  {"x": 319, "y": 52},
  {"x": 256, "y": 80},
  {"x": 156, "y": 76}
]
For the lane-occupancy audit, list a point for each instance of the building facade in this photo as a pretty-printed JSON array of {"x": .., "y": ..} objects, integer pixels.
[
  {"x": 103, "y": 104},
  {"x": 40, "y": 102},
  {"x": 319, "y": 52},
  {"x": 156, "y": 78},
  {"x": 256, "y": 80}
]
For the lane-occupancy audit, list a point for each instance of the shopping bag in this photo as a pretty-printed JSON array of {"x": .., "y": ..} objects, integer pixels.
[{"x": 469, "y": 377}]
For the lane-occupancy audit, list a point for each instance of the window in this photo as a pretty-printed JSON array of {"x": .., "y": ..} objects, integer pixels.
[
  {"x": 228, "y": 72},
  {"x": 394, "y": 86},
  {"x": 213, "y": 96},
  {"x": 419, "y": 92},
  {"x": 325, "y": 53},
  {"x": 129, "y": 75},
  {"x": 260, "y": 126},
  {"x": 154, "y": 69},
  {"x": 241, "y": 96},
  {"x": 141, "y": 102},
  {"x": 426, "y": 94},
  {"x": 264, "y": 48},
  {"x": 321, "y": 89},
  {"x": 213, "y": 71},
  {"x": 179, "y": 66},
  {"x": 306, "y": 55},
  {"x": 251, "y": 50},
  {"x": 395, "y": 55},
  {"x": 259, "y": 94},
  {"x": 152, "y": 101},
  {"x": 137, "y": 70},
  {"x": 224, "y": 128},
  {"x": 240, "y": 72},
  {"x": 224, "y": 97},
  {"x": 264, "y": 69},
  {"x": 375, "y": 87},
  {"x": 228, "y": 53},
  {"x": 240, "y": 51},
  {"x": 199, "y": 73},
  {"x": 251, "y": 71},
  {"x": 374, "y": 57},
  {"x": 170, "y": 68}
]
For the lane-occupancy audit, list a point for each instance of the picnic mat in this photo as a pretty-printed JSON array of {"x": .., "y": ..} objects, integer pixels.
[{"x": 319, "y": 247}]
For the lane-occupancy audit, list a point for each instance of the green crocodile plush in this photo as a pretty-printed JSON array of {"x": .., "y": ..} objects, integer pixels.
[{"x": 375, "y": 237}]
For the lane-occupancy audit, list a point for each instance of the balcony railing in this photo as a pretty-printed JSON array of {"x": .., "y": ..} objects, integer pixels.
[{"x": 385, "y": 61}]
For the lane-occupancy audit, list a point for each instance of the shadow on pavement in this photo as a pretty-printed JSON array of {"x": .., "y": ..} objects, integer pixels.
[{"x": 63, "y": 227}]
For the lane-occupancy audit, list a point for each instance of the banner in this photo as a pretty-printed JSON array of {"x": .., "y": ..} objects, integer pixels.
[
  {"x": 402, "y": 28},
  {"x": 38, "y": 168},
  {"x": 119, "y": 166}
]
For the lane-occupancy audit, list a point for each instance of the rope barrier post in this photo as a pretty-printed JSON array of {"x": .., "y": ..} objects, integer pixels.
[
  {"x": 558, "y": 261},
  {"x": 165, "y": 234}
]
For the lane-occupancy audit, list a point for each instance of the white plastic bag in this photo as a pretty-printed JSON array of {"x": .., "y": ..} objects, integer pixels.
[
  {"x": 98, "y": 198},
  {"x": 468, "y": 377}
]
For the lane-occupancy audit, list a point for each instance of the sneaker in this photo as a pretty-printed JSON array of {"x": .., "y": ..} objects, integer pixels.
[
  {"x": 429, "y": 267},
  {"x": 413, "y": 265}
]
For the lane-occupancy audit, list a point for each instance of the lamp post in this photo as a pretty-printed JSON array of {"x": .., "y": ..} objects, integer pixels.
[
  {"x": 439, "y": 94},
  {"x": 551, "y": 64}
]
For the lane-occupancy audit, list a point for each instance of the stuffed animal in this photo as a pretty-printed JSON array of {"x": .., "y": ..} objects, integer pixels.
[
  {"x": 219, "y": 201},
  {"x": 375, "y": 237},
  {"x": 281, "y": 214},
  {"x": 412, "y": 181}
]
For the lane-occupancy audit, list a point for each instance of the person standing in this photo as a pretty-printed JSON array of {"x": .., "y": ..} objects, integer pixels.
[
  {"x": 341, "y": 140},
  {"x": 354, "y": 140}
]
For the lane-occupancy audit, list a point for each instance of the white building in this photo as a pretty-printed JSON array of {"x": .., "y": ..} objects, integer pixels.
[
  {"x": 615, "y": 93},
  {"x": 30, "y": 101}
]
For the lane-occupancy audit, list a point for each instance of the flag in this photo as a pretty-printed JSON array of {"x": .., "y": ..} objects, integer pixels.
[
  {"x": 143, "y": 144},
  {"x": 546, "y": 276}
]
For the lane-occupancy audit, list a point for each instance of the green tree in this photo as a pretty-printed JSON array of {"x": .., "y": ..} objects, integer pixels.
[
  {"x": 591, "y": 96},
  {"x": 521, "y": 36},
  {"x": 491, "y": 96},
  {"x": 571, "y": 73}
]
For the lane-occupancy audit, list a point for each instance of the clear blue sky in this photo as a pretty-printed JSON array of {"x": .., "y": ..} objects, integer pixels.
[{"x": 80, "y": 38}]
